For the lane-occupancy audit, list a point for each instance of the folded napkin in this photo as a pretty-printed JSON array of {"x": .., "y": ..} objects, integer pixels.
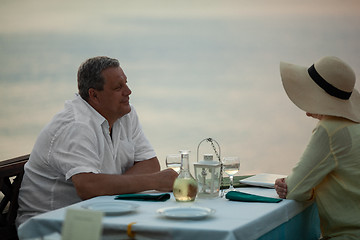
[
  {"x": 246, "y": 197},
  {"x": 144, "y": 197}
]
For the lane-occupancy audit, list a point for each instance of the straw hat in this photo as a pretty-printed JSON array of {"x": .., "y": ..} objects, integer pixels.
[{"x": 326, "y": 88}]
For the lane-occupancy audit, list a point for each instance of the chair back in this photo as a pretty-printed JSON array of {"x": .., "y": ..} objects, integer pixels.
[{"x": 11, "y": 174}]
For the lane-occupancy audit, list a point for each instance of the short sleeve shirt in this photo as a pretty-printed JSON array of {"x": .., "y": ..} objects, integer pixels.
[{"x": 78, "y": 140}]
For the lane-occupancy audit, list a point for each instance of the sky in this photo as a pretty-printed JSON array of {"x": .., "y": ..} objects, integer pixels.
[{"x": 94, "y": 16}]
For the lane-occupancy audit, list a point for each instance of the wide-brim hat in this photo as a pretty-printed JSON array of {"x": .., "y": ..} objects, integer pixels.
[{"x": 326, "y": 87}]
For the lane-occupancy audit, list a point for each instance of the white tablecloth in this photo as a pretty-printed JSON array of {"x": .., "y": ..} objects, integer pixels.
[{"x": 232, "y": 220}]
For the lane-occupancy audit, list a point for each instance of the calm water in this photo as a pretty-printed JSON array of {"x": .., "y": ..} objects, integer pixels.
[{"x": 198, "y": 69}]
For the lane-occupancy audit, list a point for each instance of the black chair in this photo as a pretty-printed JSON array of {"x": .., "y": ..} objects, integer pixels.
[{"x": 11, "y": 174}]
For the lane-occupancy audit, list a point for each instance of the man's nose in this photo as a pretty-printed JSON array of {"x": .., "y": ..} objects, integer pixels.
[{"x": 128, "y": 91}]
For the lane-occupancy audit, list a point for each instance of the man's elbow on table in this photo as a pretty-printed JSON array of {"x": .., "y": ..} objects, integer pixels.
[{"x": 86, "y": 185}]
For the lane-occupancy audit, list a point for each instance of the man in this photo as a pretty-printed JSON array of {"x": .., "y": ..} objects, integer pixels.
[{"x": 94, "y": 147}]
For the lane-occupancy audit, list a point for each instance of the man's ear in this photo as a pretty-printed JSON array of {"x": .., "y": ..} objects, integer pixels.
[{"x": 93, "y": 98}]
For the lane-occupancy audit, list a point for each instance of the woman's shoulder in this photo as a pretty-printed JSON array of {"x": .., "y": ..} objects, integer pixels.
[{"x": 333, "y": 124}]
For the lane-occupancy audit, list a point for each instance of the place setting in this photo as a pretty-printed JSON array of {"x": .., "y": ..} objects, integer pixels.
[
  {"x": 231, "y": 166},
  {"x": 112, "y": 208},
  {"x": 188, "y": 213}
]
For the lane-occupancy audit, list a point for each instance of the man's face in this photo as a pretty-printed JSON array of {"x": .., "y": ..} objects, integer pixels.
[{"x": 113, "y": 101}]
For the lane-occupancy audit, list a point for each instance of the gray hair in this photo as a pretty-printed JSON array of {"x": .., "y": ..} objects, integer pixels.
[{"x": 89, "y": 74}]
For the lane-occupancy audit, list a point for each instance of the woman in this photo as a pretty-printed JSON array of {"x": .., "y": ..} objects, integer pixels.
[{"x": 329, "y": 169}]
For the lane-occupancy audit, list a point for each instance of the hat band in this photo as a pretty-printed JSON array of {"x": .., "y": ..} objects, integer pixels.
[{"x": 330, "y": 89}]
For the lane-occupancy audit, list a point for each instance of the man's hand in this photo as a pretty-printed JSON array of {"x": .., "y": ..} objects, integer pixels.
[
  {"x": 165, "y": 180},
  {"x": 281, "y": 187}
]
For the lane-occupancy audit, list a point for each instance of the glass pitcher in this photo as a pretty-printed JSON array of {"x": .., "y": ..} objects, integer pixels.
[{"x": 185, "y": 187}]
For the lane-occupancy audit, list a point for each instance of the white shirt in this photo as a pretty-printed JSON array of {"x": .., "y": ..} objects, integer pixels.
[{"x": 77, "y": 140}]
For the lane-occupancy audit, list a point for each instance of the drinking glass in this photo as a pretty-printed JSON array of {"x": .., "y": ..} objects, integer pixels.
[
  {"x": 231, "y": 166},
  {"x": 173, "y": 161}
]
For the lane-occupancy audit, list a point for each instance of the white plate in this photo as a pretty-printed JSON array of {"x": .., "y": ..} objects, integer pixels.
[
  {"x": 186, "y": 212},
  {"x": 112, "y": 208}
]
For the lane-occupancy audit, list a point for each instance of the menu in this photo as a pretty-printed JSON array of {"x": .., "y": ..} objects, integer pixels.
[{"x": 262, "y": 180}]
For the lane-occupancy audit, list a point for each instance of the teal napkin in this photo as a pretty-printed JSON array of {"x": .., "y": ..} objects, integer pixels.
[
  {"x": 246, "y": 197},
  {"x": 144, "y": 197}
]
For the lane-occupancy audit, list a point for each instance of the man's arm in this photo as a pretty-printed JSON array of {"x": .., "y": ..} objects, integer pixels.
[
  {"x": 147, "y": 166},
  {"x": 142, "y": 176}
]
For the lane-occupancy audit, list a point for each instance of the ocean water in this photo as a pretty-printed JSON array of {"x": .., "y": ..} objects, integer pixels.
[{"x": 197, "y": 69}]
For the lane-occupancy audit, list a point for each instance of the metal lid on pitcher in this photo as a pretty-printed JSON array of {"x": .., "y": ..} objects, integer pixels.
[{"x": 208, "y": 161}]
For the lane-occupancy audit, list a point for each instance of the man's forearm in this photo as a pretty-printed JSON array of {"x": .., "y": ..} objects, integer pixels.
[
  {"x": 90, "y": 185},
  {"x": 147, "y": 166}
]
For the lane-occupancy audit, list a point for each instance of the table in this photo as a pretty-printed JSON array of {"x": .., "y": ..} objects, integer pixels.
[{"x": 232, "y": 220}]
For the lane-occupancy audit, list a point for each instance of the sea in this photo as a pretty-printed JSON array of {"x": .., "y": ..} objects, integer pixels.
[{"x": 197, "y": 69}]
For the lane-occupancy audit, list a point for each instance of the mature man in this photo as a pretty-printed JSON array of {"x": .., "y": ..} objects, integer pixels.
[{"x": 94, "y": 147}]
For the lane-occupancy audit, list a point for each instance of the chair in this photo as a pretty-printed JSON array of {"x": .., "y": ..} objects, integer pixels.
[{"x": 11, "y": 174}]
